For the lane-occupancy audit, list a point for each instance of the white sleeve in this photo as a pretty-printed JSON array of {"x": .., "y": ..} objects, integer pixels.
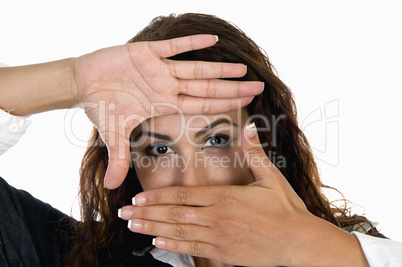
[
  {"x": 380, "y": 252},
  {"x": 11, "y": 128}
]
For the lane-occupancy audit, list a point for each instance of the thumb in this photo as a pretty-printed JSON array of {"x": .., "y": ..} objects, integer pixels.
[
  {"x": 119, "y": 162},
  {"x": 257, "y": 160}
]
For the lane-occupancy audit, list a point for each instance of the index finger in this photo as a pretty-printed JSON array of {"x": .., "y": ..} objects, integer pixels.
[
  {"x": 178, "y": 195},
  {"x": 171, "y": 47}
]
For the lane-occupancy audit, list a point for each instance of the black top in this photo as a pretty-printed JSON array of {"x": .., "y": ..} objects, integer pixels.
[{"x": 33, "y": 233}]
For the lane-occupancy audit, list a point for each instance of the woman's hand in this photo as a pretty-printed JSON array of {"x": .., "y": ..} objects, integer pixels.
[
  {"x": 119, "y": 87},
  {"x": 122, "y": 86},
  {"x": 263, "y": 224}
]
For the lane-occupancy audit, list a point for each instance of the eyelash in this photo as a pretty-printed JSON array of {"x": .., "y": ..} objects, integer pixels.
[
  {"x": 149, "y": 149},
  {"x": 226, "y": 142}
]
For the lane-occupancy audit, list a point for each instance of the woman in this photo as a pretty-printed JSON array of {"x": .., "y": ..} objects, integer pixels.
[
  {"x": 273, "y": 112},
  {"x": 282, "y": 218},
  {"x": 32, "y": 232}
]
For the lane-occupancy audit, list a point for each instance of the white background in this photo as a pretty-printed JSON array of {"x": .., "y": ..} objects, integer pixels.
[{"x": 341, "y": 60}]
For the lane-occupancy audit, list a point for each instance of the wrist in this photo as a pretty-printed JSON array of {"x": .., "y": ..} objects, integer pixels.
[
  {"x": 37, "y": 88},
  {"x": 53, "y": 86},
  {"x": 325, "y": 244},
  {"x": 68, "y": 83}
]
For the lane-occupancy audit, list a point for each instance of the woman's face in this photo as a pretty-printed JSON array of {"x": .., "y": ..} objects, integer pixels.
[{"x": 190, "y": 150}]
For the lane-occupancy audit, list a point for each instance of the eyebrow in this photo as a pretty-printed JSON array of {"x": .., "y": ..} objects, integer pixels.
[
  {"x": 198, "y": 134},
  {"x": 214, "y": 124},
  {"x": 152, "y": 134}
]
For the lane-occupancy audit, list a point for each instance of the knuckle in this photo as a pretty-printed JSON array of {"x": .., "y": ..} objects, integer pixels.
[
  {"x": 183, "y": 87},
  {"x": 173, "y": 47},
  {"x": 195, "y": 249},
  {"x": 182, "y": 195},
  {"x": 235, "y": 104},
  {"x": 223, "y": 221},
  {"x": 174, "y": 245},
  {"x": 179, "y": 231},
  {"x": 255, "y": 148},
  {"x": 230, "y": 201},
  {"x": 211, "y": 89},
  {"x": 191, "y": 41},
  {"x": 173, "y": 70},
  {"x": 198, "y": 70},
  {"x": 238, "y": 89},
  {"x": 144, "y": 214},
  {"x": 180, "y": 101},
  {"x": 174, "y": 214},
  {"x": 150, "y": 228},
  {"x": 221, "y": 70}
]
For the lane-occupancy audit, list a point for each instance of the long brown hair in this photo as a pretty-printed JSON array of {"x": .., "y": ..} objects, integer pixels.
[{"x": 102, "y": 236}]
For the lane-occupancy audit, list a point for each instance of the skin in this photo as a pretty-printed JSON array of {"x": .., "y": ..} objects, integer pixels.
[
  {"x": 120, "y": 87},
  {"x": 215, "y": 222},
  {"x": 208, "y": 152},
  {"x": 193, "y": 157},
  {"x": 226, "y": 216}
]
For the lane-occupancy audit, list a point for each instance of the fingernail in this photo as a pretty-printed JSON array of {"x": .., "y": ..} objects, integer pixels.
[
  {"x": 134, "y": 225},
  {"x": 125, "y": 213},
  {"x": 160, "y": 242},
  {"x": 138, "y": 200},
  {"x": 251, "y": 130},
  {"x": 217, "y": 38}
]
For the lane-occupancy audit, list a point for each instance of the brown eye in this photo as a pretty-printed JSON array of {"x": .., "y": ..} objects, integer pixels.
[
  {"x": 162, "y": 149},
  {"x": 217, "y": 141},
  {"x": 159, "y": 150}
]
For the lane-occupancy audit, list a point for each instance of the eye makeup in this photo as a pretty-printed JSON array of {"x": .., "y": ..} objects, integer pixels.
[
  {"x": 216, "y": 141},
  {"x": 159, "y": 149}
]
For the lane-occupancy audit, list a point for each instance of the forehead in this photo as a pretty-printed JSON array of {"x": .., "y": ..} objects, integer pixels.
[{"x": 174, "y": 124}]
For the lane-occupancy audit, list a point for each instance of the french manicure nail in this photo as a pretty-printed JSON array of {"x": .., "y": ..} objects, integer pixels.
[
  {"x": 160, "y": 242},
  {"x": 134, "y": 225},
  {"x": 138, "y": 200},
  {"x": 125, "y": 213},
  {"x": 251, "y": 130},
  {"x": 217, "y": 38}
]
